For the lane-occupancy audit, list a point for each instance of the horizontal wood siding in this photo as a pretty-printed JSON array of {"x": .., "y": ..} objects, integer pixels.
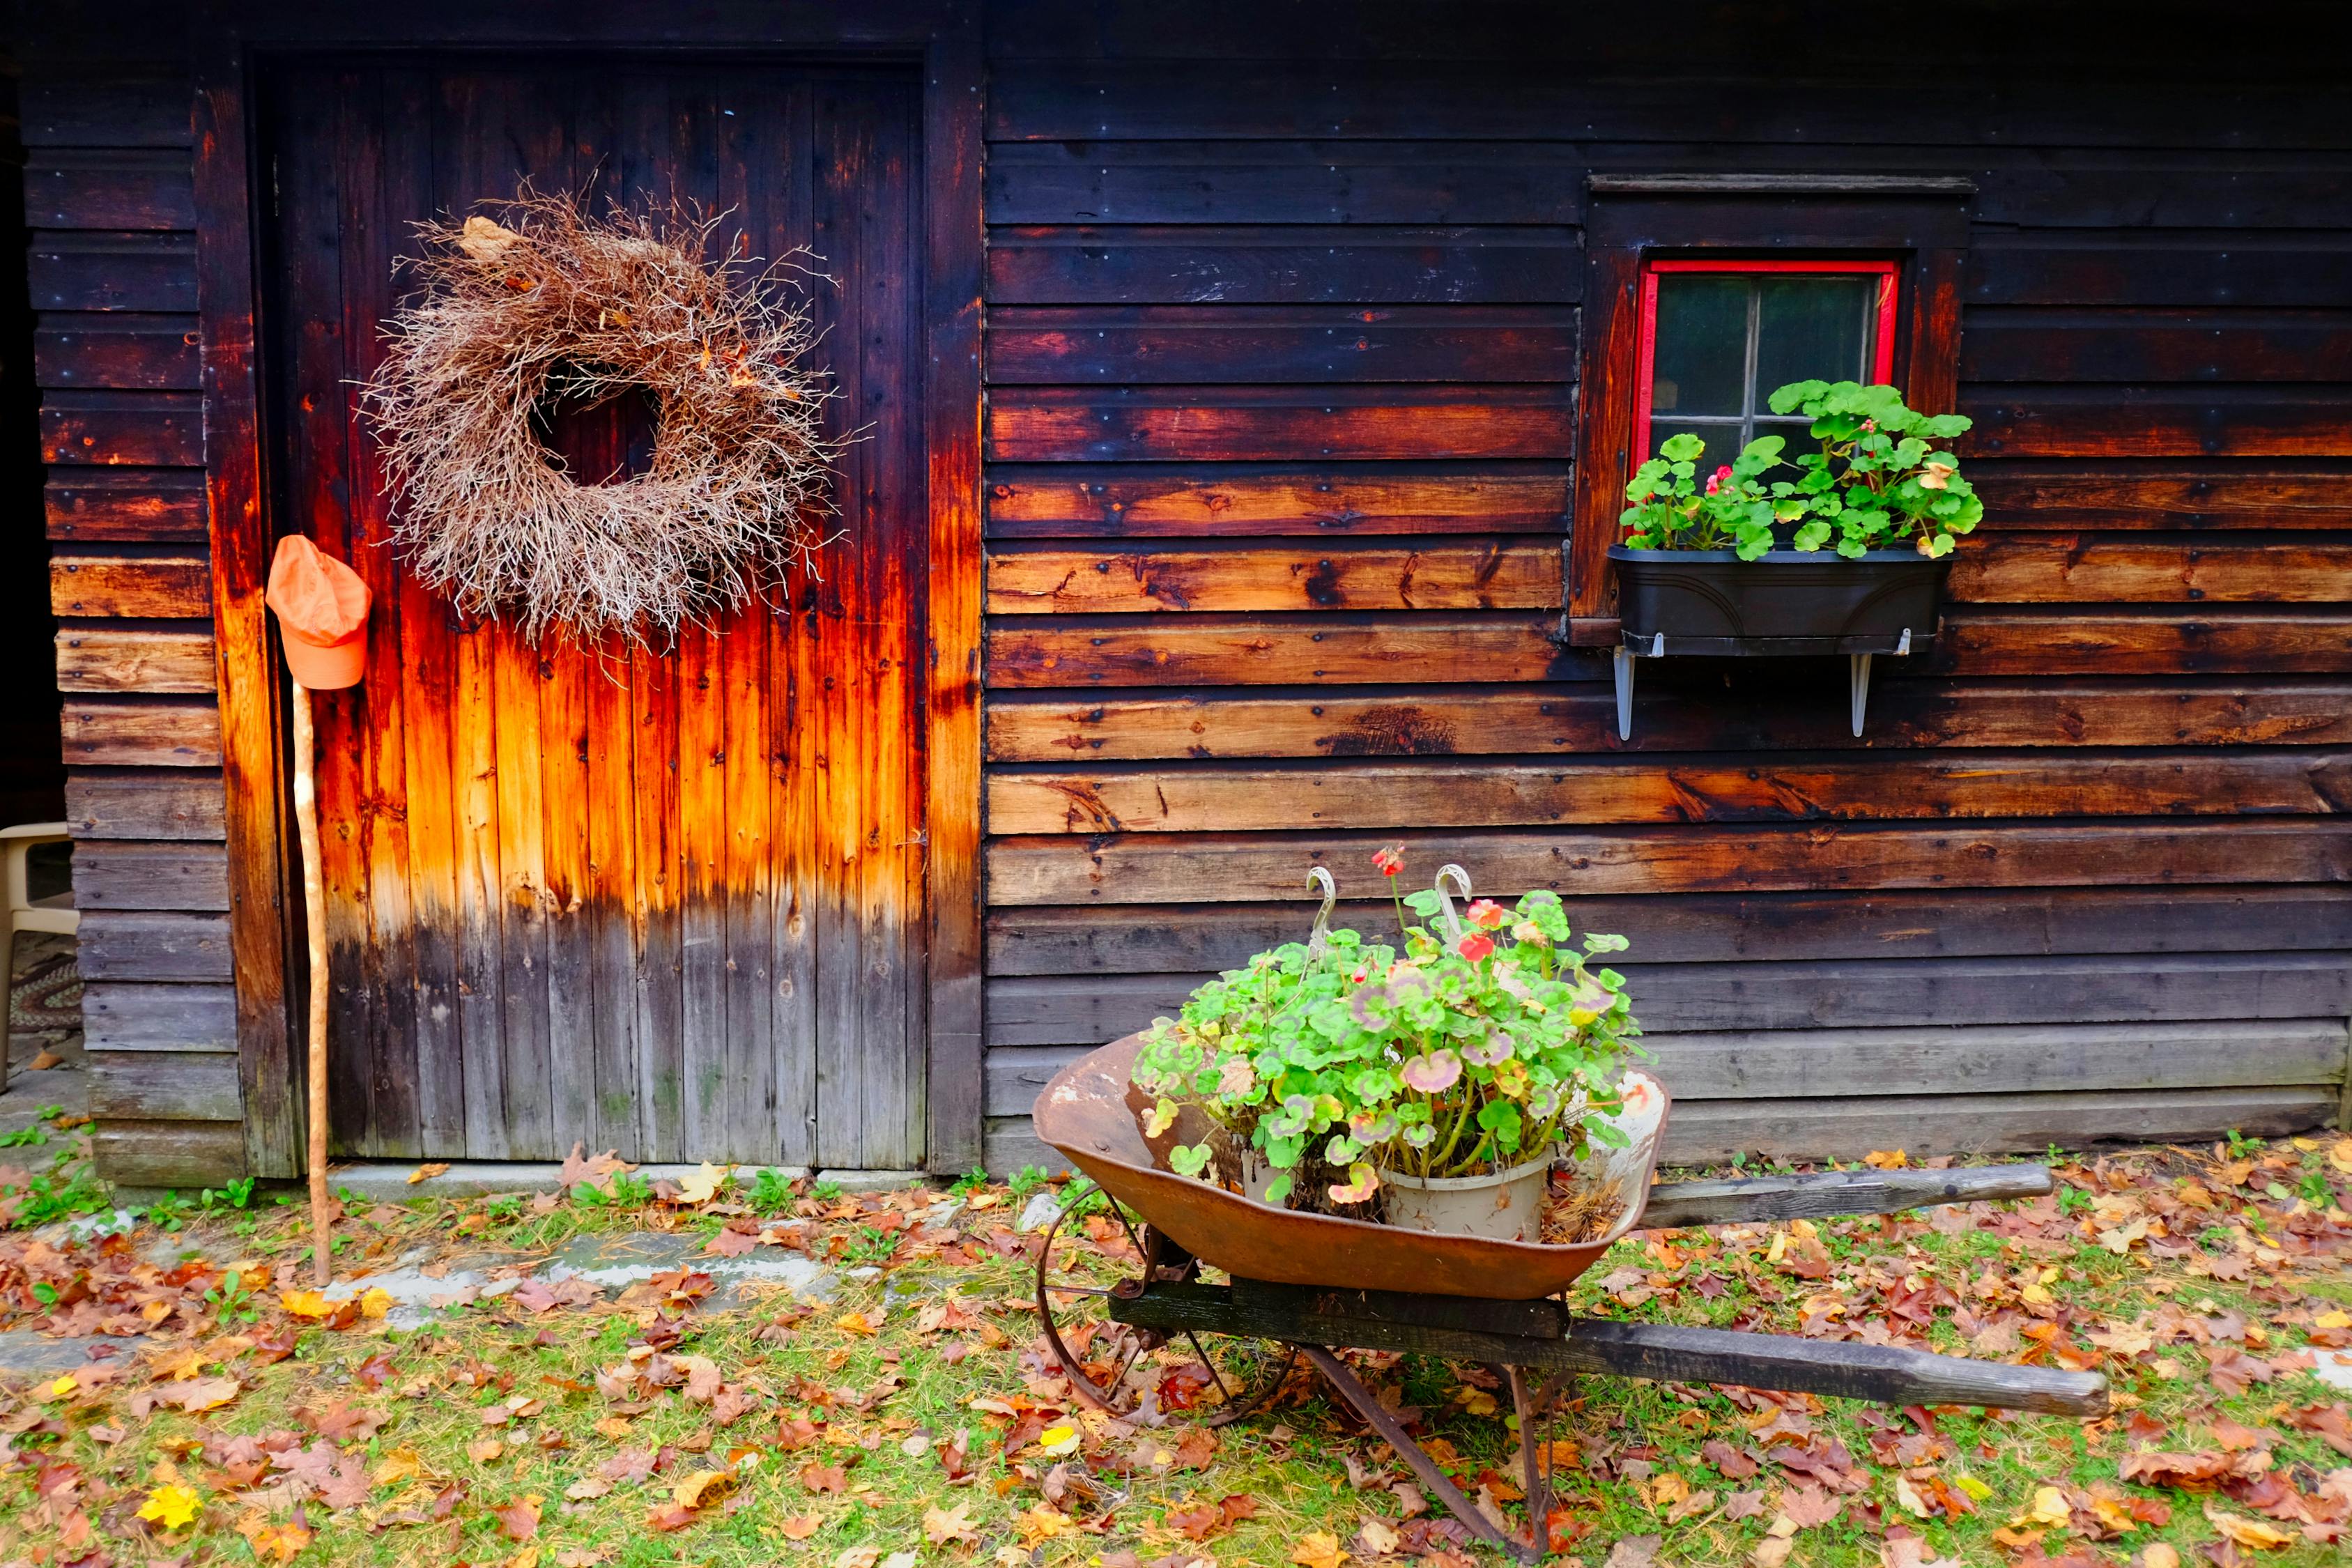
[
  {"x": 111, "y": 206},
  {"x": 1285, "y": 306}
]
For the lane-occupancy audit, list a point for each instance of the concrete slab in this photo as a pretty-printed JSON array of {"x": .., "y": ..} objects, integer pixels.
[
  {"x": 616, "y": 1262},
  {"x": 23, "y": 1353}
]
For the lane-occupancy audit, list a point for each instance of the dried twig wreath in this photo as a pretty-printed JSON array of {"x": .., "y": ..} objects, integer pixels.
[{"x": 562, "y": 304}]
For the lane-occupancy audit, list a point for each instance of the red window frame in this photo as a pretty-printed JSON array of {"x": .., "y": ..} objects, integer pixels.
[{"x": 1882, "y": 341}]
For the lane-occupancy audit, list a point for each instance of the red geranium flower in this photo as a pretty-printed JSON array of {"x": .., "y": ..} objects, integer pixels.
[
  {"x": 1388, "y": 861},
  {"x": 1488, "y": 915},
  {"x": 1475, "y": 946}
]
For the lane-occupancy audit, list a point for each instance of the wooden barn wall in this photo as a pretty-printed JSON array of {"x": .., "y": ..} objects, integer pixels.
[
  {"x": 1283, "y": 327},
  {"x": 110, "y": 208}
]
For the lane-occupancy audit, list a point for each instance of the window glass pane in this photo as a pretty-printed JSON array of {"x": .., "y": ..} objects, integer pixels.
[
  {"x": 1701, "y": 364},
  {"x": 1722, "y": 438},
  {"x": 1811, "y": 328}
]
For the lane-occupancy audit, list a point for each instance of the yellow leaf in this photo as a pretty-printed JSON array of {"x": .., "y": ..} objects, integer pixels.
[
  {"x": 1909, "y": 1499},
  {"x": 2339, "y": 1154},
  {"x": 308, "y": 1304},
  {"x": 852, "y": 1323},
  {"x": 1042, "y": 1523},
  {"x": 172, "y": 1506},
  {"x": 2337, "y": 1318},
  {"x": 426, "y": 1171},
  {"x": 2250, "y": 1533},
  {"x": 1886, "y": 1159},
  {"x": 702, "y": 1488},
  {"x": 1973, "y": 1487},
  {"x": 65, "y": 1387},
  {"x": 2036, "y": 1295},
  {"x": 1055, "y": 1441},
  {"x": 2050, "y": 1507},
  {"x": 399, "y": 1465},
  {"x": 701, "y": 1186},
  {"x": 375, "y": 1303},
  {"x": 1317, "y": 1549}
]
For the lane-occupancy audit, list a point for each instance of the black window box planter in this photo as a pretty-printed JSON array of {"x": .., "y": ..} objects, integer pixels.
[{"x": 1785, "y": 602}]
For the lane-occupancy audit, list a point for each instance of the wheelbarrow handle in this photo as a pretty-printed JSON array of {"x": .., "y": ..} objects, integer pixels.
[{"x": 1828, "y": 1193}]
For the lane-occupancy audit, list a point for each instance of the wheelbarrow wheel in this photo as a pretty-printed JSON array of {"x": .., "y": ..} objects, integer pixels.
[{"x": 1234, "y": 1375}]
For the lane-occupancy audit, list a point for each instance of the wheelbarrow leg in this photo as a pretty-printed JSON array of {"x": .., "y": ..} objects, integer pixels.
[
  {"x": 1537, "y": 1474},
  {"x": 1436, "y": 1481}
]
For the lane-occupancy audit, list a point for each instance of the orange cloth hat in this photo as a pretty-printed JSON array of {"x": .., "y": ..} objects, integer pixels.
[{"x": 322, "y": 610}]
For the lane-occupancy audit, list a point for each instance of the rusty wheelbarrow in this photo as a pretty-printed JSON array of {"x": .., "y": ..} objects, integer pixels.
[{"x": 1304, "y": 1285}]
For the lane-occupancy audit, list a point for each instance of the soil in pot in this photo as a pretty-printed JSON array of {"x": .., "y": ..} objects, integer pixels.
[{"x": 1502, "y": 1205}]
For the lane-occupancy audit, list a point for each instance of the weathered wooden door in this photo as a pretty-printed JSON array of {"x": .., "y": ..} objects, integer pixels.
[{"x": 672, "y": 905}]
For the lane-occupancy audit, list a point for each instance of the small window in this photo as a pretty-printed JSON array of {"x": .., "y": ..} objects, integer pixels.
[{"x": 1718, "y": 336}]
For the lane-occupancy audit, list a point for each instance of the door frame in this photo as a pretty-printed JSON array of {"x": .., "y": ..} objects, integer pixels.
[{"x": 237, "y": 38}]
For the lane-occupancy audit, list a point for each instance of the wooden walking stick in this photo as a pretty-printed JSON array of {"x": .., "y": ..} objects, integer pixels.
[{"x": 322, "y": 608}]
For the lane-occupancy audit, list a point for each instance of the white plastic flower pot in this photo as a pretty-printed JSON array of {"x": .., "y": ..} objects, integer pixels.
[{"x": 1502, "y": 1205}]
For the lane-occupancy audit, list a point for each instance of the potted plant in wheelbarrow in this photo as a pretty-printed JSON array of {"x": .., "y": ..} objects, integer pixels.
[
  {"x": 1431, "y": 1087},
  {"x": 1843, "y": 550}
]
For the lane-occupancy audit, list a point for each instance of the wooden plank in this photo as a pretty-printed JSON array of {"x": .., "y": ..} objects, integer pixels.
[
  {"x": 1249, "y": 868},
  {"x": 1183, "y": 264},
  {"x": 187, "y": 1155},
  {"x": 109, "y": 272},
  {"x": 1779, "y": 997},
  {"x": 1316, "y": 1317},
  {"x": 134, "y": 1017},
  {"x": 1282, "y": 94},
  {"x": 1435, "y": 793},
  {"x": 1498, "y": 573},
  {"x": 1043, "y": 425},
  {"x": 2107, "y": 422},
  {"x": 99, "y": 106},
  {"x": 98, "y": 659},
  {"x": 1206, "y": 649},
  {"x": 1756, "y": 714},
  {"x": 161, "y": 587},
  {"x": 1979, "y": 642},
  {"x": 144, "y": 804},
  {"x": 1079, "y": 502},
  {"x": 2160, "y": 269},
  {"x": 1285, "y": 182},
  {"x": 143, "y": 945},
  {"x": 2077, "y": 568},
  {"x": 164, "y": 429},
  {"x": 2055, "y": 344},
  {"x": 148, "y": 875},
  {"x": 1710, "y": 1131},
  {"x": 1139, "y": 345},
  {"x": 154, "y": 733},
  {"x": 126, "y": 506},
  {"x": 2169, "y": 1052},
  {"x": 1722, "y": 927},
  {"x": 109, "y": 189},
  {"x": 123, "y": 352},
  {"x": 167, "y": 1086},
  {"x": 2160, "y": 494},
  {"x": 1754, "y": 1200}
]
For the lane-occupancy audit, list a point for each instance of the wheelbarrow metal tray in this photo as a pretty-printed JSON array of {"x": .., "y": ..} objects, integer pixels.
[{"x": 1091, "y": 1114}]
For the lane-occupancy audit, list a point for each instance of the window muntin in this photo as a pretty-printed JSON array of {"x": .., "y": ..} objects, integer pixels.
[{"x": 1717, "y": 337}]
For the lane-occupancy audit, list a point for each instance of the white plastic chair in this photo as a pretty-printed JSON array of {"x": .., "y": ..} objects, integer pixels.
[{"x": 24, "y": 912}]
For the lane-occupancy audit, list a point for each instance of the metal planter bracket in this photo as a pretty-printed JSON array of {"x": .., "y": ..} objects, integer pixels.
[{"x": 1859, "y": 651}]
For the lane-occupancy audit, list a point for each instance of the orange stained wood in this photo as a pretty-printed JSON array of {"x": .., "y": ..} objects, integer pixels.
[{"x": 668, "y": 901}]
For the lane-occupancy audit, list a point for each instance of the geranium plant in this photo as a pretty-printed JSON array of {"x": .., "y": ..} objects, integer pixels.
[
  {"x": 1878, "y": 479},
  {"x": 1478, "y": 1045}
]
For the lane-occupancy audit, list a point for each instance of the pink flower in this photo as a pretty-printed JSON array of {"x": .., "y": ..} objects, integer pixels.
[
  {"x": 1433, "y": 1073},
  {"x": 1475, "y": 946},
  {"x": 1715, "y": 480},
  {"x": 1488, "y": 915},
  {"x": 1388, "y": 861}
]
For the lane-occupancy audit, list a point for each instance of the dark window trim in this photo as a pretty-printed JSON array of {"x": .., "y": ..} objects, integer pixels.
[{"x": 1918, "y": 222}]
